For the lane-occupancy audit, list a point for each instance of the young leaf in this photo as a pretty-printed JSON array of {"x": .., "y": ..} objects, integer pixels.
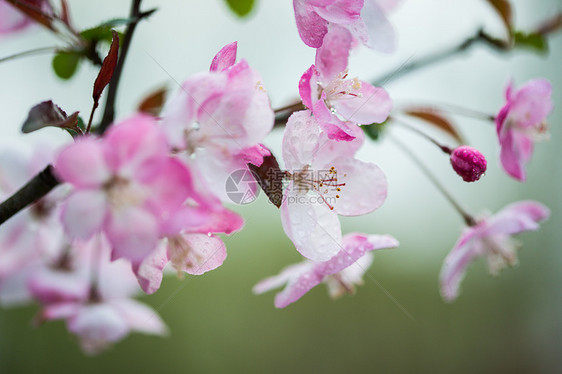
[
  {"x": 65, "y": 64},
  {"x": 533, "y": 41},
  {"x": 153, "y": 103},
  {"x": 270, "y": 179},
  {"x": 241, "y": 7},
  {"x": 47, "y": 114},
  {"x": 433, "y": 117},
  {"x": 107, "y": 69},
  {"x": 503, "y": 8}
]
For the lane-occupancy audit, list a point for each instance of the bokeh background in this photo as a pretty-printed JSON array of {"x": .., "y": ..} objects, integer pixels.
[{"x": 397, "y": 321}]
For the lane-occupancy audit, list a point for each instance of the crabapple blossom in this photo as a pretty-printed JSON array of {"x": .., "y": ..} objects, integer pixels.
[
  {"x": 340, "y": 273},
  {"x": 490, "y": 238},
  {"x": 125, "y": 185},
  {"x": 325, "y": 180},
  {"x": 336, "y": 101},
  {"x": 98, "y": 313},
  {"x": 219, "y": 119},
  {"x": 520, "y": 122},
  {"x": 34, "y": 233},
  {"x": 194, "y": 248},
  {"x": 365, "y": 20}
]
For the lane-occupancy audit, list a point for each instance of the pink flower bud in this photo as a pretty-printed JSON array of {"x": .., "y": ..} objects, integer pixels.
[{"x": 468, "y": 162}]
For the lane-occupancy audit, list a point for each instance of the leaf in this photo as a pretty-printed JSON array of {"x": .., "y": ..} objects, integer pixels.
[
  {"x": 532, "y": 41},
  {"x": 241, "y": 7},
  {"x": 270, "y": 179},
  {"x": 65, "y": 64},
  {"x": 433, "y": 117},
  {"x": 504, "y": 10},
  {"x": 153, "y": 103},
  {"x": 107, "y": 69},
  {"x": 47, "y": 114},
  {"x": 374, "y": 130}
]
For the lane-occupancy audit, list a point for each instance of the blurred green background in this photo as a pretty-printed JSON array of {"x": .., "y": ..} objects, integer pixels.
[{"x": 510, "y": 324}]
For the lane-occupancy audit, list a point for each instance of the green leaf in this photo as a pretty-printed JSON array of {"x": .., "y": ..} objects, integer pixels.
[
  {"x": 65, "y": 64},
  {"x": 241, "y": 7},
  {"x": 374, "y": 131},
  {"x": 531, "y": 41}
]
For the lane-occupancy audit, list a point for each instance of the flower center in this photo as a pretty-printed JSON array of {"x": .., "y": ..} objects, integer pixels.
[
  {"x": 122, "y": 193},
  {"x": 324, "y": 182}
]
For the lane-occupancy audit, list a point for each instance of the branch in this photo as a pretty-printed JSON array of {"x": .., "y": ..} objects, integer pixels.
[
  {"x": 34, "y": 190},
  {"x": 479, "y": 38},
  {"x": 109, "y": 111},
  {"x": 46, "y": 180}
]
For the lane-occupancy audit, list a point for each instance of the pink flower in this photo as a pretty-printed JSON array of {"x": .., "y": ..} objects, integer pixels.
[
  {"x": 325, "y": 180},
  {"x": 521, "y": 121},
  {"x": 337, "y": 101},
  {"x": 340, "y": 273},
  {"x": 11, "y": 19},
  {"x": 193, "y": 249},
  {"x": 124, "y": 185},
  {"x": 490, "y": 238},
  {"x": 365, "y": 19},
  {"x": 34, "y": 233},
  {"x": 105, "y": 313},
  {"x": 219, "y": 119}
]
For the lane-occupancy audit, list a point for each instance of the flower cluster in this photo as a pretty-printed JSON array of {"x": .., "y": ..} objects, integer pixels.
[{"x": 149, "y": 193}]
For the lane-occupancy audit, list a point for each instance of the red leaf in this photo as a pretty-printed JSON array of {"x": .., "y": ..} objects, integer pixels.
[
  {"x": 270, "y": 179},
  {"x": 153, "y": 103},
  {"x": 107, "y": 68},
  {"x": 47, "y": 114},
  {"x": 436, "y": 119},
  {"x": 503, "y": 8}
]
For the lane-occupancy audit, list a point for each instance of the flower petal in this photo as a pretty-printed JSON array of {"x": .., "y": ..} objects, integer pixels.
[
  {"x": 372, "y": 106},
  {"x": 363, "y": 187},
  {"x": 313, "y": 228},
  {"x": 225, "y": 58},
  {"x": 84, "y": 213},
  {"x": 83, "y": 164},
  {"x": 310, "y": 25},
  {"x": 133, "y": 233},
  {"x": 149, "y": 271},
  {"x": 516, "y": 218},
  {"x": 332, "y": 57}
]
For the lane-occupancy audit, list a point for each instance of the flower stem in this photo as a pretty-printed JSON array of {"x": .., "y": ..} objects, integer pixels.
[
  {"x": 30, "y": 52},
  {"x": 468, "y": 219}
]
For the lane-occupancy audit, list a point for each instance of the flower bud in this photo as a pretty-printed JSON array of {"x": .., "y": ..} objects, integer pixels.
[{"x": 468, "y": 162}]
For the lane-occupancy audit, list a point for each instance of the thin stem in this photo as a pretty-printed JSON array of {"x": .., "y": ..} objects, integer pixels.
[
  {"x": 94, "y": 107},
  {"x": 406, "y": 125},
  {"x": 479, "y": 38},
  {"x": 470, "y": 221},
  {"x": 31, "y": 52},
  {"x": 109, "y": 111}
]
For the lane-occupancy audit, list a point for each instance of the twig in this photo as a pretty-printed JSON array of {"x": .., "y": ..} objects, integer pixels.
[
  {"x": 109, "y": 111},
  {"x": 30, "y": 52},
  {"x": 34, "y": 190}
]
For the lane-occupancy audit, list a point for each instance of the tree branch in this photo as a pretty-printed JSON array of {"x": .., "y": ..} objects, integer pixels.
[
  {"x": 40, "y": 185},
  {"x": 34, "y": 190}
]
